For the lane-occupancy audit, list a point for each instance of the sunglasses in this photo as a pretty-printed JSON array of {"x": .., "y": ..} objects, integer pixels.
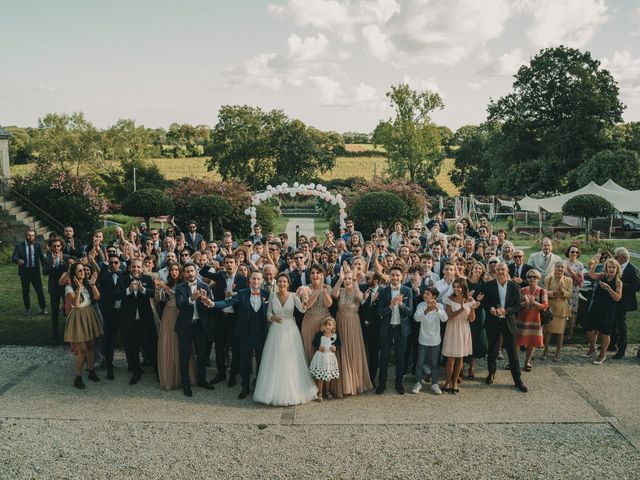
[
  {"x": 114, "y": 262},
  {"x": 493, "y": 261},
  {"x": 184, "y": 254},
  {"x": 573, "y": 251},
  {"x": 517, "y": 256}
]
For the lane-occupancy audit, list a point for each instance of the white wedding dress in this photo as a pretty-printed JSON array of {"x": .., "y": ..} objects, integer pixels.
[{"x": 284, "y": 377}]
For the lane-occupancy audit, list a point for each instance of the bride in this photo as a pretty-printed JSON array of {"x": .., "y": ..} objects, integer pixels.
[{"x": 284, "y": 377}]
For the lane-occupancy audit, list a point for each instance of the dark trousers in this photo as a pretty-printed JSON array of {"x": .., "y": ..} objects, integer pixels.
[
  {"x": 31, "y": 276},
  {"x": 371, "y": 336},
  {"x": 496, "y": 328},
  {"x": 56, "y": 299},
  {"x": 399, "y": 345},
  {"x": 411, "y": 352},
  {"x": 140, "y": 335},
  {"x": 621, "y": 331},
  {"x": 195, "y": 336},
  {"x": 111, "y": 322},
  {"x": 225, "y": 339},
  {"x": 248, "y": 345}
]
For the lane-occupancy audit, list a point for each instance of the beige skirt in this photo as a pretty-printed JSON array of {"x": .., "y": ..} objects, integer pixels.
[{"x": 83, "y": 325}]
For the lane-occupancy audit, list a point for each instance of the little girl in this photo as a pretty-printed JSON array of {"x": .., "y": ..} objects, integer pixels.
[{"x": 324, "y": 364}]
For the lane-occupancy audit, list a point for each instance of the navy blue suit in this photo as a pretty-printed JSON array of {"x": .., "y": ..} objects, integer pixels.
[
  {"x": 110, "y": 293},
  {"x": 56, "y": 292},
  {"x": 137, "y": 322},
  {"x": 396, "y": 333},
  {"x": 191, "y": 242},
  {"x": 250, "y": 329},
  {"x": 29, "y": 272},
  {"x": 192, "y": 332}
]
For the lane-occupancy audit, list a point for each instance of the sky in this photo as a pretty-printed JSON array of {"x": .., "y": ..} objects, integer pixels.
[{"x": 326, "y": 62}]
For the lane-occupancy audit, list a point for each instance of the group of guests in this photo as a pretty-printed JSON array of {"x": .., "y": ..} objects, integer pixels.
[{"x": 322, "y": 319}]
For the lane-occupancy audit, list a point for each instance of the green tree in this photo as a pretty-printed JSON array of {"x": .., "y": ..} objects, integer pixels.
[
  {"x": 412, "y": 141},
  {"x": 126, "y": 141},
  {"x": 21, "y": 144},
  {"x": 621, "y": 165},
  {"x": 69, "y": 141},
  {"x": 588, "y": 207},
  {"x": 376, "y": 209},
  {"x": 557, "y": 116},
  {"x": 147, "y": 203},
  {"x": 211, "y": 210}
]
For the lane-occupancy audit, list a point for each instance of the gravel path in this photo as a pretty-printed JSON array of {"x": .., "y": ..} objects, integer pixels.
[{"x": 576, "y": 419}]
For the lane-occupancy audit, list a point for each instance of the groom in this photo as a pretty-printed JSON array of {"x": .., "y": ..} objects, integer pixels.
[{"x": 251, "y": 325}]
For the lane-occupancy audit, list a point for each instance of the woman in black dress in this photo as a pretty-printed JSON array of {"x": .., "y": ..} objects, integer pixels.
[{"x": 475, "y": 283}]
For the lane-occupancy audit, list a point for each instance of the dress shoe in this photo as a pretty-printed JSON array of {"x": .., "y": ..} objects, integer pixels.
[
  {"x": 400, "y": 389},
  {"x": 232, "y": 382},
  {"x": 489, "y": 379},
  {"x": 135, "y": 378},
  {"x": 206, "y": 386},
  {"x": 44, "y": 311},
  {"x": 612, "y": 348},
  {"x": 186, "y": 389},
  {"x": 244, "y": 393},
  {"x": 78, "y": 383},
  {"x": 93, "y": 377},
  {"x": 218, "y": 378},
  {"x": 618, "y": 356},
  {"x": 522, "y": 387},
  {"x": 110, "y": 375},
  {"x": 380, "y": 389}
]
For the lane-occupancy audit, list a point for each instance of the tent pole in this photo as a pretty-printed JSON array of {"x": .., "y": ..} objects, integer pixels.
[
  {"x": 611, "y": 227},
  {"x": 540, "y": 223}
]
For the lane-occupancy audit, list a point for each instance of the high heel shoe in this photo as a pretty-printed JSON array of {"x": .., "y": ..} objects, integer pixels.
[
  {"x": 78, "y": 383},
  {"x": 93, "y": 377}
]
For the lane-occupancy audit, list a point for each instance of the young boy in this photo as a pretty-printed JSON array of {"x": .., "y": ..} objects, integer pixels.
[{"x": 429, "y": 314}]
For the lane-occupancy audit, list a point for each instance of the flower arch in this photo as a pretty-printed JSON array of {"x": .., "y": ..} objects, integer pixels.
[{"x": 311, "y": 189}]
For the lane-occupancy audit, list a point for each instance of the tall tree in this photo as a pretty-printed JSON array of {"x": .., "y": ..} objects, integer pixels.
[
  {"x": 67, "y": 140},
  {"x": 412, "y": 141},
  {"x": 556, "y": 117}
]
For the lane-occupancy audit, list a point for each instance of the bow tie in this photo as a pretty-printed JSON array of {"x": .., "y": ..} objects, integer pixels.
[
  {"x": 255, "y": 293},
  {"x": 194, "y": 284}
]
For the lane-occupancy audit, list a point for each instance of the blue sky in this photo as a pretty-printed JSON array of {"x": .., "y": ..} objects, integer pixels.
[{"x": 327, "y": 62}]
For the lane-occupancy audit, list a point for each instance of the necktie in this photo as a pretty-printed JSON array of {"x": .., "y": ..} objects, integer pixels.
[
  {"x": 31, "y": 256},
  {"x": 517, "y": 272},
  {"x": 114, "y": 276},
  {"x": 57, "y": 262},
  {"x": 255, "y": 293}
]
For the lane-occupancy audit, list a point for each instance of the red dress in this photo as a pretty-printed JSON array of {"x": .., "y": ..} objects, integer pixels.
[{"x": 528, "y": 327}]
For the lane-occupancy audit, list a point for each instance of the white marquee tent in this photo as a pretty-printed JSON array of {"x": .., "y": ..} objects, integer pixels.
[{"x": 622, "y": 199}]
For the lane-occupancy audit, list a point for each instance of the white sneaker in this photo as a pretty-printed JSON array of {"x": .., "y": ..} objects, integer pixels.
[
  {"x": 416, "y": 388},
  {"x": 436, "y": 389}
]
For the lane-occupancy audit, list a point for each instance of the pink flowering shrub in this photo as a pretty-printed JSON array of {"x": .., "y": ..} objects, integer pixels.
[{"x": 70, "y": 199}]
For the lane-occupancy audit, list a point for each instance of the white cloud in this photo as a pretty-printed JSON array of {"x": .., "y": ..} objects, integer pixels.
[
  {"x": 422, "y": 84},
  {"x": 309, "y": 48},
  {"x": 626, "y": 70},
  {"x": 378, "y": 43},
  {"x": 506, "y": 64},
  {"x": 366, "y": 95},
  {"x": 329, "y": 90},
  {"x": 567, "y": 22},
  {"x": 475, "y": 86},
  {"x": 330, "y": 15}
]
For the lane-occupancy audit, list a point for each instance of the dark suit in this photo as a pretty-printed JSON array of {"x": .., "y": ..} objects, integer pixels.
[
  {"x": 29, "y": 272},
  {"x": 370, "y": 323},
  {"x": 502, "y": 326},
  {"x": 628, "y": 303},
  {"x": 396, "y": 333},
  {"x": 75, "y": 251},
  {"x": 524, "y": 268},
  {"x": 296, "y": 279},
  {"x": 137, "y": 323},
  {"x": 193, "y": 243},
  {"x": 111, "y": 294},
  {"x": 221, "y": 324},
  {"x": 411, "y": 353},
  {"x": 192, "y": 332},
  {"x": 56, "y": 292},
  {"x": 250, "y": 329}
]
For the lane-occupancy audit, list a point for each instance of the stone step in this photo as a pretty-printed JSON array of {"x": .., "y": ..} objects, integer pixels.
[{"x": 21, "y": 215}]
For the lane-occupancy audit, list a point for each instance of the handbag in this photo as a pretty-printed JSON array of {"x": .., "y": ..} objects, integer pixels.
[{"x": 546, "y": 315}]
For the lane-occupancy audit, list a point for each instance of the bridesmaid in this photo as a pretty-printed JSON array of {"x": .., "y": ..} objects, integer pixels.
[
  {"x": 475, "y": 283},
  {"x": 317, "y": 309},
  {"x": 352, "y": 357},
  {"x": 168, "y": 359}
]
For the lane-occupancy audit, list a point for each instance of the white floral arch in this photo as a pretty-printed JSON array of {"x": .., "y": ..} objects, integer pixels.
[{"x": 311, "y": 189}]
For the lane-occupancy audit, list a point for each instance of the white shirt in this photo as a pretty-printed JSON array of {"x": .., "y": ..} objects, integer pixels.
[
  {"x": 430, "y": 277},
  {"x": 623, "y": 266},
  {"x": 192, "y": 288},
  {"x": 445, "y": 288},
  {"x": 256, "y": 300},
  {"x": 429, "y": 323},
  {"x": 31, "y": 257},
  {"x": 135, "y": 294},
  {"x": 395, "y": 311},
  {"x": 502, "y": 293},
  {"x": 230, "y": 280}
]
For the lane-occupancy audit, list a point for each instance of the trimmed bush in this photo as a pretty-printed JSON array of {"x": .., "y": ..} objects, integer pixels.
[
  {"x": 588, "y": 206},
  {"x": 69, "y": 199},
  {"x": 210, "y": 211},
  {"x": 147, "y": 203},
  {"x": 377, "y": 209}
]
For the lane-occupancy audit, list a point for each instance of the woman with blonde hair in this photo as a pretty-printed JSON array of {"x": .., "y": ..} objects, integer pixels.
[{"x": 559, "y": 288}]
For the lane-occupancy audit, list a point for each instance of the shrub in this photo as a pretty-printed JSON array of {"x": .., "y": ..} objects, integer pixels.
[
  {"x": 588, "y": 206},
  {"x": 185, "y": 190},
  {"x": 69, "y": 199},
  {"x": 377, "y": 209},
  {"x": 210, "y": 211},
  {"x": 147, "y": 203},
  {"x": 118, "y": 183},
  {"x": 265, "y": 216},
  {"x": 413, "y": 196}
]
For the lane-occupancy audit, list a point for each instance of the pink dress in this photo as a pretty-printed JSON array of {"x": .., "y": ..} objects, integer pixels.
[{"x": 457, "y": 336}]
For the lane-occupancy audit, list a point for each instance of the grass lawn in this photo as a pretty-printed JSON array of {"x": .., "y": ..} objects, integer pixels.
[
  {"x": 320, "y": 225},
  {"x": 280, "y": 224}
]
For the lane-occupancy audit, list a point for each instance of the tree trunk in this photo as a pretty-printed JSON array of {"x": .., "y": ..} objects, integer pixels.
[{"x": 210, "y": 230}]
